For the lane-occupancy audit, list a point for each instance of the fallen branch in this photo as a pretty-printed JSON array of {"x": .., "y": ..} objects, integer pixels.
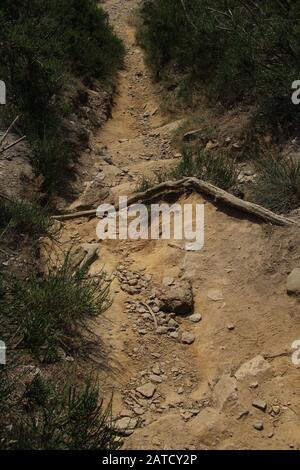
[
  {"x": 199, "y": 186},
  {"x": 13, "y": 144},
  {"x": 3, "y": 138}
]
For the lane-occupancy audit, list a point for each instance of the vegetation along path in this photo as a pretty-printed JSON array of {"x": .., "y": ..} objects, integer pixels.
[{"x": 200, "y": 342}]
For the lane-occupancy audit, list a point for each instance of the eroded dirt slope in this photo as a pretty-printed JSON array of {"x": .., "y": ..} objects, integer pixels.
[{"x": 203, "y": 392}]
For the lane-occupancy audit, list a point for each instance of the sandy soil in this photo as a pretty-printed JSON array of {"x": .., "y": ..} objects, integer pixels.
[{"x": 201, "y": 401}]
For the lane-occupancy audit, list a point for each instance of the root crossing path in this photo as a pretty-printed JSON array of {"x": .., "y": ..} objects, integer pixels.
[{"x": 222, "y": 378}]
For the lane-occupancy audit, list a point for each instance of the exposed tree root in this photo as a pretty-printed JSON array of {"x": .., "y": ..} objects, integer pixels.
[{"x": 199, "y": 186}]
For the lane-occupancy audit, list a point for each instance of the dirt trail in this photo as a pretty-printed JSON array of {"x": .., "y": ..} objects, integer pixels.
[{"x": 238, "y": 283}]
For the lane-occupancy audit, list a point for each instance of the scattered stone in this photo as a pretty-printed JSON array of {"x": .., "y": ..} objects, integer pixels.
[
  {"x": 162, "y": 330},
  {"x": 126, "y": 414},
  {"x": 254, "y": 385},
  {"x": 256, "y": 367},
  {"x": 156, "y": 369},
  {"x": 126, "y": 426},
  {"x": 155, "y": 378},
  {"x": 230, "y": 327},
  {"x": 173, "y": 323},
  {"x": 187, "y": 338},
  {"x": 174, "y": 335},
  {"x": 138, "y": 410},
  {"x": 275, "y": 410},
  {"x": 258, "y": 425},
  {"x": 147, "y": 390},
  {"x": 260, "y": 405},
  {"x": 142, "y": 332},
  {"x": 168, "y": 281},
  {"x": 195, "y": 318},
  {"x": 225, "y": 391},
  {"x": 293, "y": 282}
]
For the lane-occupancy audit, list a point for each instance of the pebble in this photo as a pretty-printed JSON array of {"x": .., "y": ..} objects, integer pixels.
[
  {"x": 156, "y": 369},
  {"x": 174, "y": 335},
  {"x": 195, "y": 318},
  {"x": 260, "y": 405},
  {"x": 162, "y": 330},
  {"x": 187, "y": 338},
  {"x": 147, "y": 390},
  {"x": 155, "y": 378},
  {"x": 258, "y": 425}
]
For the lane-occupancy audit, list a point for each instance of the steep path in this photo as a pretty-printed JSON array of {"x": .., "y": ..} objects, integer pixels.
[{"x": 197, "y": 398}]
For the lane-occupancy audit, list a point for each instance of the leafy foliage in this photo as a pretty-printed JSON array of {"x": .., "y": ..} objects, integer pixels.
[
  {"x": 238, "y": 50},
  {"x": 59, "y": 418},
  {"x": 23, "y": 217},
  {"x": 51, "y": 311},
  {"x": 278, "y": 185},
  {"x": 43, "y": 43}
]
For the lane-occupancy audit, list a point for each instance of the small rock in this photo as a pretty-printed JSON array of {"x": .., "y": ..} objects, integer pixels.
[
  {"x": 162, "y": 330},
  {"x": 168, "y": 281},
  {"x": 260, "y": 405},
  {"x": 138, "y": 410},
  {"x": 196, "y": 318},
  {"x": 126, "y": 414},
  {"x": 147, "y": 390},
  {"x": 173, "y": 323},
  {"x": 142, "y": 332},
  {"x": 187, "y": 338},
  {"x": 258, "y": 425},
  {"x": 293, "y": 282},
  {"x": 156, "y": 369},
  {"x": 256, "y": 367},
  {"x": 155, "y": 378},
  {"x": 174, "y": 335},
  {"x": 125, "y": 426},
  {"x": 230, "y": 327}
]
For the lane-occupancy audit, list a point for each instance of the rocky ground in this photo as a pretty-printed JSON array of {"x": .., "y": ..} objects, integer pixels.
[{"x": 200, "y": 342}]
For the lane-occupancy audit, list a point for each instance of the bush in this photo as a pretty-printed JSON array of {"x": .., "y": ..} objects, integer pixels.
[
  {"x": 43, "y": 43},
  {"x": 216, "y": 168},
  {"x": 60, "y": 418},
  {"x": 278, "y": 184},
  {"x": 238, "y": 51},
  {"x": 23, "y": 217},
  {"x": 51, "y": 311}
]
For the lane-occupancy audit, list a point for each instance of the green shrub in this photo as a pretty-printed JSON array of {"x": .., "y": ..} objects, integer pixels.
[
  {"x": 43, "y": 43},
  {"x": 51, "y": 311},
  {"x": 278, "y": 184},
  {"x": 214, "y": 167},
  {"x": 60, "y": 418},
  {"x": 243, "y": 51},
  {"x": 23, "y": 217}
]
